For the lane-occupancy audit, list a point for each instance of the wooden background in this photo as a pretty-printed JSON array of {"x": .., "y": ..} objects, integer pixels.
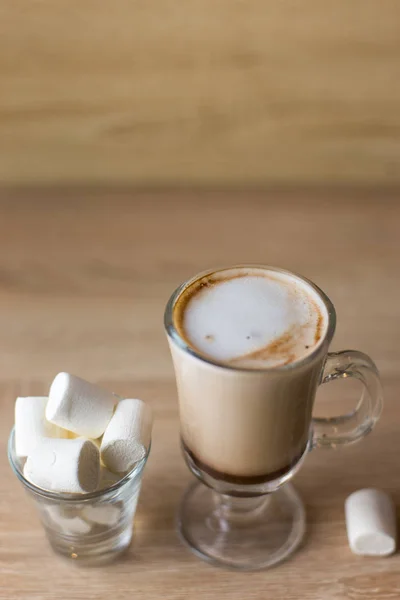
[
  {"x": 200, "y": 92},
  {"x": 83, "y": 285}
]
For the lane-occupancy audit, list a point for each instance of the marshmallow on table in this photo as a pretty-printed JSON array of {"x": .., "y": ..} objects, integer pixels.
[
  {"x": 79, "y": 406},
  {"x": 31, "y": 425},
  {"x": 127, "y": 437},
  {"x": 371, "y": 523},
  {"x": 64, "y": 465}
]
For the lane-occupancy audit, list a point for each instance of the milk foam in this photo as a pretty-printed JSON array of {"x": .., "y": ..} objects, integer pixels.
[{"x": 253, "y": 318}]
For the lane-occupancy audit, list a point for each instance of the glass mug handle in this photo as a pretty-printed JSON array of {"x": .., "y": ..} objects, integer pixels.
[{"x": 349, "y": 428}]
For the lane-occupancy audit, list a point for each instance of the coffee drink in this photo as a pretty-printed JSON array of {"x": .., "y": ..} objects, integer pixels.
[
  {"x": 250, "y": 346},
  {"x": 250, "y": 318},
  {"x": 235, "y": 330}
]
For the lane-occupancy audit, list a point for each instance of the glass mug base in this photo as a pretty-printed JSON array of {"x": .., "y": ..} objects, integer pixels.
[{"x": 241, "y": 533}]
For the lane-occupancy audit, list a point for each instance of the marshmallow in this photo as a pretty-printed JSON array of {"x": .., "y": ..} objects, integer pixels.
[
  {"x": 371, "y": 523},
  {"x": 64, "y": 465},
  {"x": 66, "y": 511},
  {"x": 31, "y": 425},
  {"x": 105, "y": 514},
  {"x": 108, "y": 478},
  {"x": 73, "y": 436},
  {"x": 127, "y": 437},
  {"x": 68, "y": 525},
  {"x": 79, "y": 406}
]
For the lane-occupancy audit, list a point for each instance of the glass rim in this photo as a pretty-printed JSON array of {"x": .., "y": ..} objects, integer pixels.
[
  {"x": 71, "y": 496},
  {"x": 175, "y": 337}
]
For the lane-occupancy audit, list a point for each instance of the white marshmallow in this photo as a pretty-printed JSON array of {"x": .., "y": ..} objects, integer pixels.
[
  {"x": 31, "y": 425},
  {"x": 127, "y": 437},
  {"x": 62, "y": 510},
  {"x": 371, "y": 523},
  {"x": 74, "y": 526},
  {"x": 68, "y": 525},
  {"x": 64, "y": 465},
  {"x": 79, "y": 406},
  {"x": 106, "y": 514},
  {"x": 108, "y": 478},
  {"x": 73, "y": 436}
]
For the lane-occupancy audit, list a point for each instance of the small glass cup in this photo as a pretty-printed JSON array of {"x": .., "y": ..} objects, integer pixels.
[{"x": 90, "y": 528}]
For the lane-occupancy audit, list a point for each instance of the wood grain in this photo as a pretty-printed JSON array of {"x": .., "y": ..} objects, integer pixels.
[
  {"x": 200, "y": 92},
  {"x": 83, "y": 284}
]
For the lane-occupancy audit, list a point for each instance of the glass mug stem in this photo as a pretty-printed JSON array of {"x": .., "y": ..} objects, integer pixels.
[{"x": 349, "y": 428}]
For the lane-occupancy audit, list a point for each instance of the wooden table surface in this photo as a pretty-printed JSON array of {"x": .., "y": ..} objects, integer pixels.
[
  {"x": 84, "y": 278},
  {"x": 159, "y": 91}
]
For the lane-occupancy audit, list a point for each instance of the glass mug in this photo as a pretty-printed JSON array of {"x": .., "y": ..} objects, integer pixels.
[{"x": 236, "y": 416}]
